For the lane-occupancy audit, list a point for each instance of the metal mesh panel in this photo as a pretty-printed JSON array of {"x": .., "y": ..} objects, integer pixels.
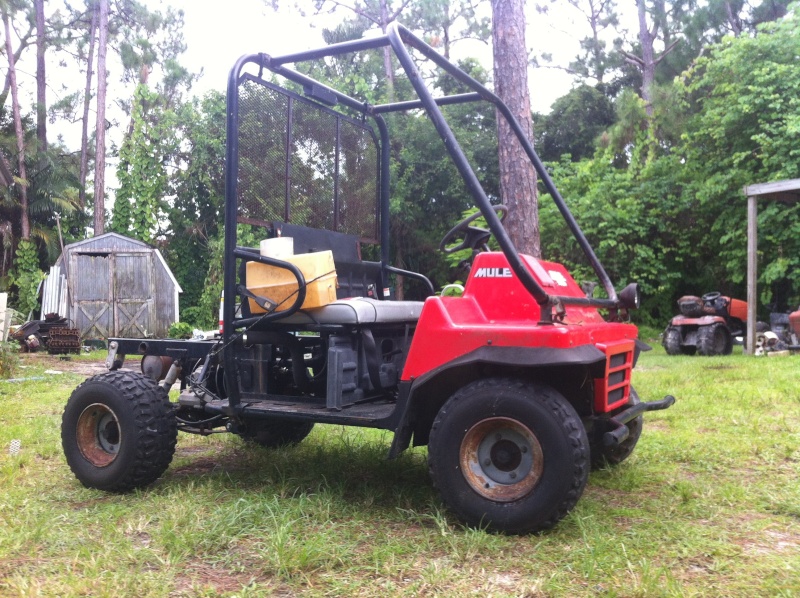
[{"x": 328, "y": 177}]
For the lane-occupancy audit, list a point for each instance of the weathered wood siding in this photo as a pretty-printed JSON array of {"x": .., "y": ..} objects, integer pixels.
[{"x": 119, "y": 287}]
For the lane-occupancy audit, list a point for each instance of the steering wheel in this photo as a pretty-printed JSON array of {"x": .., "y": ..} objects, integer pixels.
[
  {"x": 475, "y": 238},
  {"x": 711, "y": 296}
]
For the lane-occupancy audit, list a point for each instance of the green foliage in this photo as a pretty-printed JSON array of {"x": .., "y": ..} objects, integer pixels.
[
  {"x": 27, "y": 276},
  {"x": 9, "y": 359},
  {"x": 632, "y": 218},
  {"x": 663, "y": 205},
  {"x": 195, "y": 214},
  {"x": 142, "y": 174},
  {"x": 180, "y": 330},
  {"x": 198, "y": 318},
  {"x": 573, "y": 125},
  {"x": 746, "y": 129}
]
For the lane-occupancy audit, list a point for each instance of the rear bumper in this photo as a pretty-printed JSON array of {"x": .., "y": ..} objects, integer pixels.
[{"x": 620, "y": 431}]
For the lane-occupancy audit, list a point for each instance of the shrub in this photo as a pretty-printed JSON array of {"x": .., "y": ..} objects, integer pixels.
[
  {"x": 180, "y": 330},
  {"x": 9, "y": 360}
]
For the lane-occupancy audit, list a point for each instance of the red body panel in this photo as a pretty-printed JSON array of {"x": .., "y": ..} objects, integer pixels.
[
  {"x": 794, "y": 321},
  {"x": 701, "y": 321},
  {"x": 496, "y": 310},
  {"x": 738, "y": 309}
]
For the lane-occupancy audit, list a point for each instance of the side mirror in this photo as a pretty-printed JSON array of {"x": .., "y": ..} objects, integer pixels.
[{"x": 630, "y": 297}]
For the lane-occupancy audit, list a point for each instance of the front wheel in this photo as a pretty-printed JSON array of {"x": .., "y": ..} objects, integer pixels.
[
  {"x": 509, "y": 455},
  {"x": 118, "y": 431},
  {"x": 673, "y": 342}
]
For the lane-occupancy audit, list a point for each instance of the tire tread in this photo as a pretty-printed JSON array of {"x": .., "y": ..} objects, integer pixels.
[
  {"x": 568, "y": 420},
  {"x": 156, "y": 430}
]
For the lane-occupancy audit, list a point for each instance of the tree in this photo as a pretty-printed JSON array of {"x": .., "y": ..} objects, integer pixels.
[
  {"x": 595, "y": 60},
  {"x": 22, "y": 179},
  {"x": 25, "y": 40},
  {"x": 574, "y": 123},
  {"x": 100, "y": 134},
  {"x": 446, "y": 22},
  {"x": 87, "y": 96},
  {"x": 648, "y": 34},
  {"x": 745, "y": 128},
  {"x": 41, "y": 80},
  {"x": 517, "y": 176},
  {"x": 195, "y": 215},
  {"x": 142, "y": 172},
  {"x": 380, "y": 13}
]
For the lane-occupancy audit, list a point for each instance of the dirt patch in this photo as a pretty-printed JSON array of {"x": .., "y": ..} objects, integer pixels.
[{"x": 72, "y": 364}]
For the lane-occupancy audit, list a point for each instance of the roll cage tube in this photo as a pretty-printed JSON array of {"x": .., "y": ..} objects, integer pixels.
[{"x": 397, "y": 38}]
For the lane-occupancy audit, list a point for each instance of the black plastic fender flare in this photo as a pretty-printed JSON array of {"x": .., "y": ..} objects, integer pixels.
[{"x": 585, "y": 355}]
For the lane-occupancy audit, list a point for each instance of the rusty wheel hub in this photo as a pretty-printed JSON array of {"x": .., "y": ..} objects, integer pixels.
[
  {"x": 501, "y": 459},
  {"x": 98, "y": 435}
]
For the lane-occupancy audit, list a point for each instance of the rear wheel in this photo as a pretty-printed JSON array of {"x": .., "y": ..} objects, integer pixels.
[
  {"x": 714, "y": 339},
  {"x": 274, "y": 433},
  {"x": 118, "y": 431},
  {"x": 509, "y": 455}
]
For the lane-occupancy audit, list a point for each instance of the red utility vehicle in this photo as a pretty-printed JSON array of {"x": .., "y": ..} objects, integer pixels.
[{"x": 516, "y": 387}]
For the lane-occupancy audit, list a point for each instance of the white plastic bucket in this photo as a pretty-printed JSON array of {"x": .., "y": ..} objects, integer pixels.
[{"x": 278, "y": 248}]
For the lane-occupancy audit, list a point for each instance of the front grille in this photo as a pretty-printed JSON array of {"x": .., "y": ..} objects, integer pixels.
[{"x": 613, "y": 390}]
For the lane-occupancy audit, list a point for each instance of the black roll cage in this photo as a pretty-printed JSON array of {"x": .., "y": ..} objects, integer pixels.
[{"x": 399, "y": 39}]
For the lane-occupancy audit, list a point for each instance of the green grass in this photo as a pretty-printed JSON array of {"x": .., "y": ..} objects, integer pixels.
[{"x": 709, "y": 504}]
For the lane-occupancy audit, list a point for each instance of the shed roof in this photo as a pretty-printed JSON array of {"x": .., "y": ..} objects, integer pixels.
[{"x": 98, "y": 241}]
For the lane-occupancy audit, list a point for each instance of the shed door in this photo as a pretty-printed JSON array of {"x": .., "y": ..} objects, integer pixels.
[
  {"x": 92, "y": 294},
  {"x": 134, "y": 292}
]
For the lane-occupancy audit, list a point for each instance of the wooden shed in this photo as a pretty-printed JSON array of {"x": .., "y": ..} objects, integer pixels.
[{"x": 114, "y": 286}]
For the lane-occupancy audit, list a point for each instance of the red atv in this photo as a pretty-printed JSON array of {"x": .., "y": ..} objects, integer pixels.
[
  {"x": 517, "y": 387},
  {"x": 707, "y": 325}
]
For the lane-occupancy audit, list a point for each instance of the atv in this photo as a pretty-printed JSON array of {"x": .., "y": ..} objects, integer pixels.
[
  {"x": 517, "y": 386},
  {"x": 706, "y": 325}
]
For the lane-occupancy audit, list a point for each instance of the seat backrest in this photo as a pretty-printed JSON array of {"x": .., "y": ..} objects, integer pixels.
[{"x": 356, "y": 278}]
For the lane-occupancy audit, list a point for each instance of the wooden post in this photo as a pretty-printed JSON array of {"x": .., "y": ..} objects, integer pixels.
[
  {"x": 5, "y": 317},
  {"x": 752, "y": 272}
]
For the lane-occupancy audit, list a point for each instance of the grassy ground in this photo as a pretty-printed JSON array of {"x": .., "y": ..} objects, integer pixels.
[{"x": 709, "y": 504}]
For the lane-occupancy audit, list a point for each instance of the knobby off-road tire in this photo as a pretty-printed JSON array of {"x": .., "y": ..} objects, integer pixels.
[
  {"x": 274, "y": 433},
  {"x": 603, "y": 455},
  {"x": 509, "y": 455},
  {"x": 672, "y": 343},
  {"x": 714, "y": 339},
  {"x": 118, "y": 431}
]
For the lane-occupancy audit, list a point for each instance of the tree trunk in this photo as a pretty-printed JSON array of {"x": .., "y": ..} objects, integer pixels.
[
  {"x": 734, "y": 20},
  {"x": 387, "y": 53},
  {"x": 100, "y": 150},
  {"x": 24, "y": 42},
  {"x": 87, "y": 96},
  {"x": 517, "y": 175},
  {"x": 648, "y": 63},
  {"x": 41, "y": 81},
  {"x": 22, "y": 184}
]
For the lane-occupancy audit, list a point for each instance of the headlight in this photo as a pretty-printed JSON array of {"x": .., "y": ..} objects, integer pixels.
[{"x": 630, "y": 297}]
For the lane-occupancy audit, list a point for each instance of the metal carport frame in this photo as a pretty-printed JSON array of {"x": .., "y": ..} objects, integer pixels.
[{"x": 787, "y": 191}]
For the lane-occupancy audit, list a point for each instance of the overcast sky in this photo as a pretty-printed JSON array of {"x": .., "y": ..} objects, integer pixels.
[{"x": 216, "y": 37}]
